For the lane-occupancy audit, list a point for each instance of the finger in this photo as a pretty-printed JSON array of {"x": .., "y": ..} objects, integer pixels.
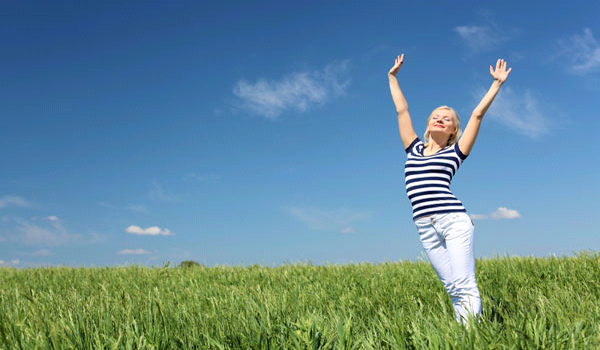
[
  {"x": 498, "y": 64},
  {"x": 491, "y": 70},
  {"x": 508, "y": 71}
]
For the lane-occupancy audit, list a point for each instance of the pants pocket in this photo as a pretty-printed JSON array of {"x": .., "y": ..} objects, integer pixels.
[{"x": 459, "y": 220}]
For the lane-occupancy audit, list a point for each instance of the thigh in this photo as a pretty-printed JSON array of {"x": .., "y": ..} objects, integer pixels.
[
  {"x": 436, "y": 250},
  {"x": 459, "y": 233}
]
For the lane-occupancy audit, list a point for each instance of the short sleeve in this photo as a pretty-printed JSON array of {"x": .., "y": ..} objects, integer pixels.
[
  {"x": 461, "y": 155},
  {"x": 412, "y": 145}
]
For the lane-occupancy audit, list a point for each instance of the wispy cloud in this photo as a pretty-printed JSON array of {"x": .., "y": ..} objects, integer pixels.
[
  {"x": 296, "y": 91},
  {"x": 521, "y": 112},
  {"x": 478, "y": 38},
  {"x": 179, "y": 254},
  {"x": 138, "y": 251},
  {"x": 583, "y": 52},
  {"x": 208, "y": 177},
  {"x": 340, "y": 220},
  {"x": 48, "y": 231},
  {"x": 9, "y": 263},
  {"x": 106, "y": 205},
  {"x": 140, "y": 208},
  {"x": 150, "y": 231},
  {"x": 500, "y": 214},
  {"x": 347, "y": 229},
  {"x": 487, "y": 36},
  {"x": 159, "y": 194},
  {"x": 14, "y": 201},
  {"x": 41, "y": 252}
]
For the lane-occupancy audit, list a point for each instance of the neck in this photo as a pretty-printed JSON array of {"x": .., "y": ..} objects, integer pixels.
[{"x": 436, "y": 143}]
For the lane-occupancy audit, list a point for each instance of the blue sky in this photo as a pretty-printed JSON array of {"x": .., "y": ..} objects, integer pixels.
[{"x": 236, "y": 132}]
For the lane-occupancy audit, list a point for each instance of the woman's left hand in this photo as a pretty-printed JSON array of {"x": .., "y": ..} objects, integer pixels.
[{"x": 500, "y": 73}]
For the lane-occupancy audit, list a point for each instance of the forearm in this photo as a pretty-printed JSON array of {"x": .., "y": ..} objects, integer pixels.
[
  {"x": 487, "y": 100},
  {"x": 397, "y": 95},
  {"x": 470, "y": 134},
  {"x": 407, "y": 132}
]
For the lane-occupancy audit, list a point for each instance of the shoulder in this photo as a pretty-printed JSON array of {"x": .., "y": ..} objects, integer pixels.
[
  {"x": 458, "y": 152},
  {"x": 415, "y": 147}
]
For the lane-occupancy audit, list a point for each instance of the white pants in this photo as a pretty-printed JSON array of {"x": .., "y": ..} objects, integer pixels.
[{"x": 448, "y": 242}]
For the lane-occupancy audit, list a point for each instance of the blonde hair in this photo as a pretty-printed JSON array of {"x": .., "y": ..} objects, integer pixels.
[{"x": 454, "y": 137}]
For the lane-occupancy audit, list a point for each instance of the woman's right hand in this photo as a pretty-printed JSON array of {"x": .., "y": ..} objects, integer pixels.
[{"x": 397, "y": 65}]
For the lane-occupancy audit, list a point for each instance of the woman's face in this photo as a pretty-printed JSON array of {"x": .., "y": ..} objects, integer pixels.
[{"x": 442, "y": 121}]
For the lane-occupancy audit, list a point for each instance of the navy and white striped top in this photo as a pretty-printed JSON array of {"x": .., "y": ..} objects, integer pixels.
[{"x": 428, "y": 179}]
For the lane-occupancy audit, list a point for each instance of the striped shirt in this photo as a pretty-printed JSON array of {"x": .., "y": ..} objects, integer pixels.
[{"x": 428, "y": 179}]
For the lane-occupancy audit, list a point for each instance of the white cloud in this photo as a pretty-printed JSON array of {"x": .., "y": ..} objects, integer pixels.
[
  {"x": 520, "y": 112},
  {"x": 339, "y": 220},
  {"x": 502, "y": 213},
  {"x": 52, "y": 218},
  {"x": 583, "y": 52},
  {"x": 14, "y": 200},
  {"x": 138, "y": 251},
  {"x": 150, "y": 231},
  {"x": 299, "y": 90},
  {"x": 505, "y": 213}
]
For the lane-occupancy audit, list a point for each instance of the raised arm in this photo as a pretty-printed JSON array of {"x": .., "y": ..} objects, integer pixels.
[
  {"x": 469, "y": 136},
  {"x": 407, "y": 132}
]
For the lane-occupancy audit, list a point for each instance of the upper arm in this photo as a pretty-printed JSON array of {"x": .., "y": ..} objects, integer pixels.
[
  {"x": 467, "y": 140},
  {"x": 407, "y": 132}
]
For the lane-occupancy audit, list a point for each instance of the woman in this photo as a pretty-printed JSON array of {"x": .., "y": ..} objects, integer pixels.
[{"x": 445, "y": 229}]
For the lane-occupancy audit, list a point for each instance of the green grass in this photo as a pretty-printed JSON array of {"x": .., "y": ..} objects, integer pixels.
[{"x": 528, "y": 303}]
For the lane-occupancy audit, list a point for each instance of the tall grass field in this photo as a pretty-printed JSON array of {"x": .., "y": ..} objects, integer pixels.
[{"x": 528, "y": 303}]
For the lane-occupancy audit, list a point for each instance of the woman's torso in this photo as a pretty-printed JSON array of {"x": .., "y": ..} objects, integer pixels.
[{"x": 428, "y": 179}]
